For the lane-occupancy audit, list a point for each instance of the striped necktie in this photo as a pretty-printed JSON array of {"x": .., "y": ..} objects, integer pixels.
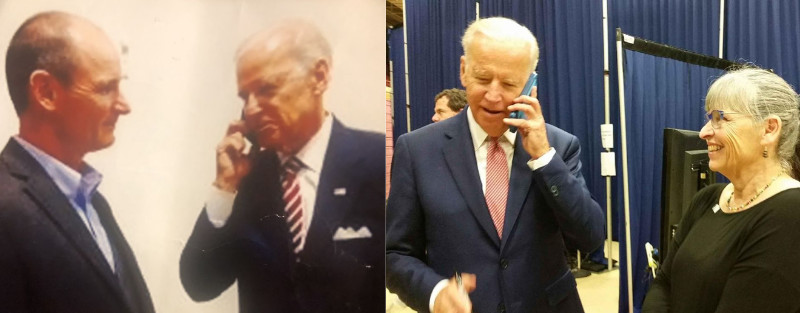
[
  {"x": 496, "y": 184},
  {"x": 293, "y": 200}
]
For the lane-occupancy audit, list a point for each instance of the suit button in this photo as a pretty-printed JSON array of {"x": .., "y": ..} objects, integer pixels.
[
  {"x": 501, "y": 308},
  {"x": 554, "y": 190},
  {"x": 503, "y": 263}
]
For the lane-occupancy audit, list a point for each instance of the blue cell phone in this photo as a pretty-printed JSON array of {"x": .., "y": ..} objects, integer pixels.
[{"x": 532, "y": 81}]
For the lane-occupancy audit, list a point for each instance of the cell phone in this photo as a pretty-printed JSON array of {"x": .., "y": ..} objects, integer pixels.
[{"x": 532, "y": 82}]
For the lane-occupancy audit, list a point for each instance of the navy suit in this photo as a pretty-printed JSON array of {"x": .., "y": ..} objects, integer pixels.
[
  {"x": 49, "y": 262},
  {"x": 438, "y": 222},
  {"x": 253, "y": 247}
]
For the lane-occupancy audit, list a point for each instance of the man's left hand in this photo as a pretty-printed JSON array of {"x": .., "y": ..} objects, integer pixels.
[{"x": 532, "y": 129}]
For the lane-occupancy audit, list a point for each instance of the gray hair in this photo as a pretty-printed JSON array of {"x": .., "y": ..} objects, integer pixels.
[
  {"x": 761, "y": 94},
  {"x": 303, "y": 39},
  {"x": 501, "y": 28}
]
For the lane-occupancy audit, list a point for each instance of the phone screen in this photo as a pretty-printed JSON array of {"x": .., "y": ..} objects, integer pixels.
[{"x": 532, "y": 82}]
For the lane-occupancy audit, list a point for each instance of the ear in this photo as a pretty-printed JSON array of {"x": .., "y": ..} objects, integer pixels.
[
  {"x": 320, "y": 76},
  {"x": 44, "y": 90},
  {"x": 463, "y": 71},
  {"x": 772, "y": 131}
]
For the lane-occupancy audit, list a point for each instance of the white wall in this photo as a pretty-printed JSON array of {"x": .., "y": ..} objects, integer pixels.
[{"x": 181, "y": 88}]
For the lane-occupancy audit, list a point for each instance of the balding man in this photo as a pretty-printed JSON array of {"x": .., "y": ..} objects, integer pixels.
[
  {"x": 60, "y": 247},
  {"x": 298, "y": 222},
  {"x": 470, "y": 196}
]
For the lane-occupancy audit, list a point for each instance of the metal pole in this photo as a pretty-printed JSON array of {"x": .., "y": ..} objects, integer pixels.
[
  {"x": 621, "y": 78},
  {"x": 721, "y": 25},
  {"x": 608, "y": 121},
  {"x": 405, "y": 64}
]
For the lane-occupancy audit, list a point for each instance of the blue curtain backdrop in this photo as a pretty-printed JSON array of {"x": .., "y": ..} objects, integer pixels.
[
  {"x": 766, "y": 33},
  {"x": 690, "y": 25},
  {"x": 434, "y": 36},
  {"x": 659, "y": 93}
]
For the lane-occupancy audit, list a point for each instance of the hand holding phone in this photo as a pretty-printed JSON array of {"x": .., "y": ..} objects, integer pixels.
[
  {"x": 233, "y": 162},
  {"x": 532, "y": 82}
]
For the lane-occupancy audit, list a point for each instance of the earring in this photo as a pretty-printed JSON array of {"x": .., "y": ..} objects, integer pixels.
[{"x": 764, "y": 154}]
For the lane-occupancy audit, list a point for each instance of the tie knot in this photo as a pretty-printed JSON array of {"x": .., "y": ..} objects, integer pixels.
[{"x": 292, "y": 166}]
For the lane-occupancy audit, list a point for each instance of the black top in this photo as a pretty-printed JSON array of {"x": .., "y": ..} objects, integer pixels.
[{"x": 732, "y": 262}]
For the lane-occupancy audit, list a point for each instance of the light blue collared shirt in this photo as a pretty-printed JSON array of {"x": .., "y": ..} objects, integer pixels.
[{"x": 79, "y": 189}]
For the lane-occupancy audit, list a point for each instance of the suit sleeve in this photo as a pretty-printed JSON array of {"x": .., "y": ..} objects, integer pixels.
[
  {"x": 580, "y": 218},
  {"x": 206, "y": 265},
  {"x": 406, "y": 271}
]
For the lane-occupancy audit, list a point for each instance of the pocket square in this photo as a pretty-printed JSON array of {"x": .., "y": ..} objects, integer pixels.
[
  {"x": 350, "y": 233},
  {"x": 340, "y": 191}
]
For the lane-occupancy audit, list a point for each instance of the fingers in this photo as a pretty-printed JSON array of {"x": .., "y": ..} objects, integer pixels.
[
  {"x": 529, "y": 106},
  {"x": 236, "y": 126},
  {"x": 469, "y": 281}
]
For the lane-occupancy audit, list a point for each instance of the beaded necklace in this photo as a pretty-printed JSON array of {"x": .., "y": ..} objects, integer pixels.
[{"x": 736, "y": 209}]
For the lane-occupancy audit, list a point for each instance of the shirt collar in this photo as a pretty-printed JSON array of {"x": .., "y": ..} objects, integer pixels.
[
  {"x": 68, "y": 180},
  {"x": 479, "y": 135},
  {"x": 313, "y": 153}
]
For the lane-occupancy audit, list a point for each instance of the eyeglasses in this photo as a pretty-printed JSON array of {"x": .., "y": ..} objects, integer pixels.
[{"x": 716, "y": 117}]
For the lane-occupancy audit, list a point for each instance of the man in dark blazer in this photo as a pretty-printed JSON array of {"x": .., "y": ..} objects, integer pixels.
[
  {"x": 298, "y": 221},
  {"x": 497, "y": 207},
  {"x": 60, "y": 248}
]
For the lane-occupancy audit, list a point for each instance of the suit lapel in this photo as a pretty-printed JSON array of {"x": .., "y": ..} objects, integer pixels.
[
  {"x": 40, "y": 187},
  {"x": 334, "y": 194},
  {"x": 459, "y": 154},
  {"x": 518, "y": 186}
]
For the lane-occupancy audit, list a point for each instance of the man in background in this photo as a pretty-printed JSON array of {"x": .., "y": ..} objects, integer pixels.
[
  {"x": 298, "y": 221},
  {"x": 60, "y": 247},
  {"x": 448, "y": 103},
  {"x": 478, "y": 216}
]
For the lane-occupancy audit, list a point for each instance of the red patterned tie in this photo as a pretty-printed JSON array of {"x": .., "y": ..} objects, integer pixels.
[
  {"x": 294, "y": 201},
  {"x": 496, "y": 184}
]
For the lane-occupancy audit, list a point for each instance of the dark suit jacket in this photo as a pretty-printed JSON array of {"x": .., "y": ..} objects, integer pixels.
[
  {"x": 438, "y": 222},
  {"x": 253, "y": 247},
  {"x": 49, "y": 261}
]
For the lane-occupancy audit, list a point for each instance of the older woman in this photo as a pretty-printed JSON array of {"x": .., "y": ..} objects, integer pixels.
[{"x": 737, "y": 248}]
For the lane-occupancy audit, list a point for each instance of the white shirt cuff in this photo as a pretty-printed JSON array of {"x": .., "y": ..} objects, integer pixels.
[
  {"x": 542, "y": 160},
  {"x": 219, "y": 206},
  {"x": 436, "y": 289}
]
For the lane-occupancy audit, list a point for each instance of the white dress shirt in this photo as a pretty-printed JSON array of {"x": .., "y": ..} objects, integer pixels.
[
  {"x": 219, "y": 205},
  {"x": 481, "y": 142}
]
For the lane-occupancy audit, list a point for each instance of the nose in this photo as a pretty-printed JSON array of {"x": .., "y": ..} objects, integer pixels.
[
  {"x": 122, "y": 105},
  {"x": 494, "y": 92},
  {"x": 435, "y": 118},
  {"x": 707, "y": 131},
  {"x": 251, "y": 106}
]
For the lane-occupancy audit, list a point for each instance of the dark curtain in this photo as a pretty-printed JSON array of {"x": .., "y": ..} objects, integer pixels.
[
  {"x": 690, "y": 25},
  {"x": 659, "y": 93},
  {"x": 434, "y": 49},
  {"x": 398, "y": 81},
  {"x": 766, "y": 33}
]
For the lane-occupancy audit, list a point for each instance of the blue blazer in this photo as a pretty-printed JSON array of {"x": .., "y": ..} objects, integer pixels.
[
  {"x": 438, "y": 222},
  {"x": 49, "y": 261},
  {"x": 253, "y": 248}
]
